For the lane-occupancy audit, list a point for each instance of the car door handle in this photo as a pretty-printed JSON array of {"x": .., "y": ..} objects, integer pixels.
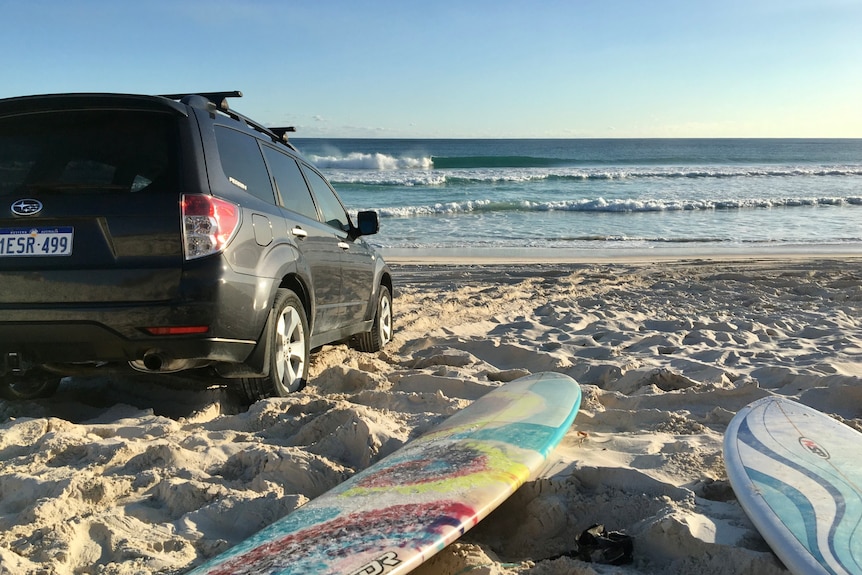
[
  {"x": 299, "y": 232},
  {"x": 344, "y": 245}
]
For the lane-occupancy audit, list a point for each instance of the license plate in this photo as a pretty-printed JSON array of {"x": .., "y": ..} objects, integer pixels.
[{"x": 40, "y": 241}]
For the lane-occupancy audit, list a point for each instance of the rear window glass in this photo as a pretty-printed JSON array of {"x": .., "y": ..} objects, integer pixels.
[{"x": 92, "y": 150}]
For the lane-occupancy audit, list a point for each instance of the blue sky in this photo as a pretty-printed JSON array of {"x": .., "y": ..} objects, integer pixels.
[{"x": 464, "y": 68}]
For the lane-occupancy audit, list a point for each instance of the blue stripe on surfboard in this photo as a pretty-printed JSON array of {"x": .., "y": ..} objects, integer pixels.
[
  {"x": 525, "y": 435},
  {"x": 746, "y": 436},
  {"x": 803, "y": 506},
  {"x": 531, "y": 435},
  {"x": 551, "y": 388}
]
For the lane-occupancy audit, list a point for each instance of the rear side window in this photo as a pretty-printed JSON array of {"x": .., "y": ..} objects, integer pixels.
[
  {"x": 89, "y": 150},
  {"x": 243, "y": 163},
  {"x": 332, "y": 210},
  {"x": 290, "y": 183}
]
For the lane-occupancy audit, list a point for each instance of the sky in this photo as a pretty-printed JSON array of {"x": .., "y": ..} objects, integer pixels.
[{"x": 463, "y": 68}]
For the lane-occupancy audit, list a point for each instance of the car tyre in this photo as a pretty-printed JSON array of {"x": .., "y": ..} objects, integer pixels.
[
  {"x": 35, "y": 384},
  {"x": 288, "y": 343},
  {"x": 381, "y": 328}
]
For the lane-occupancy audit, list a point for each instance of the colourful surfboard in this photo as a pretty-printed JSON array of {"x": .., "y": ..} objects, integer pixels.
[
  {"x": 797, "y": 473},
  {"x": 396, "y": 514}
]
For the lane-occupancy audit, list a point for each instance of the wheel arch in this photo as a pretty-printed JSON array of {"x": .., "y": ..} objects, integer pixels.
[
  {"x": 290, "y": 270},
  {"x": 297, "y": 285},
  {"x": 384, "y": 278},
  {"x": 288, "y": 273}
]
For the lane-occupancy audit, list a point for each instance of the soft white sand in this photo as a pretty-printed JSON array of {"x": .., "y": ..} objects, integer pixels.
[{"x": 122, "y": 476}]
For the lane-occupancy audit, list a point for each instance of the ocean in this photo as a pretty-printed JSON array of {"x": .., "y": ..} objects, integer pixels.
[{"x": 600, "y": 197}]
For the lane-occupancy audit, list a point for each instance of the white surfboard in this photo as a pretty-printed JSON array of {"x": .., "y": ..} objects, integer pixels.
[{"x": 797, "y": 473}]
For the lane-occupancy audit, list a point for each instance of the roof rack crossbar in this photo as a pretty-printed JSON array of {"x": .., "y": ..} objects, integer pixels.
[
  {"x": 217, "y": 98},
  {"x": 282, "y": 132},
  {"x": 276, "y": 134}
]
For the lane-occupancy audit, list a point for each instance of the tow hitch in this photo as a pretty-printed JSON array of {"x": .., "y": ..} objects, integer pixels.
[{"x": 12, "y": 363}]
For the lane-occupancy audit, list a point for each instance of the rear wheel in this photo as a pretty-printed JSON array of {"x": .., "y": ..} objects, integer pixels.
[
  {"x": 35, "y": 384},
  {"x": 381, "y": 329},
  {"x": 288, "y": 342}
]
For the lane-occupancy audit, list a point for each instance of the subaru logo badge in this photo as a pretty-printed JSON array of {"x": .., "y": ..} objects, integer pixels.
[{"x": 26, "y": 207}]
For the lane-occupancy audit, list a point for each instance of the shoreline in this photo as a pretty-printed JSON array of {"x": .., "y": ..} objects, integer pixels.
[{"x": 527, "y": 256}]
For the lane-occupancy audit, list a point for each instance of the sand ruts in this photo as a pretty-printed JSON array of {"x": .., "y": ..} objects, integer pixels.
[{"x": 123, "y": 476}]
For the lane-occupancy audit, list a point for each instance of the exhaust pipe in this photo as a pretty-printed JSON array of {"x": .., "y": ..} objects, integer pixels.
[{"x": 155, "y": 361}]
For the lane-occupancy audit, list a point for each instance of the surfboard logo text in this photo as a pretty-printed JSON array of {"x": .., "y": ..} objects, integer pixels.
[
  {"x": 379, "y": 565},
  {"x": 813, "y": 447}
]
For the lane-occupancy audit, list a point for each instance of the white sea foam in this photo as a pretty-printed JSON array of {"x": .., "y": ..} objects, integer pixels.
[
  {"x": 609, "y": 205},
  {"x": 375, "y": 161},
  {"x": 388, "y": 178},
  {"x": 383, "y": 170}
]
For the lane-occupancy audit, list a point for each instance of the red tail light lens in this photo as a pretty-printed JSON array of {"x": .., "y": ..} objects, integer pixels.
[
  {"x": 180, "y": 330},
  {"x": 208, "y": 225}
]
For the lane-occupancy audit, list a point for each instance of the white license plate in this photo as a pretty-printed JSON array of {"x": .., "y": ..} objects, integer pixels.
[{"x": 39, "y": 241}]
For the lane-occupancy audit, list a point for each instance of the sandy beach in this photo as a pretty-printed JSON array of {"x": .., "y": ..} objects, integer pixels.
[{"x": 128, "y": 476}]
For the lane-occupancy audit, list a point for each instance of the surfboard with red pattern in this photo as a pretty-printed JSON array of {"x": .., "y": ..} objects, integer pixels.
[{"x": 396, "y": 514}]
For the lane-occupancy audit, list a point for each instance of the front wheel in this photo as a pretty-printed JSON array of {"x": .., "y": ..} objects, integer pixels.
[
  {"x": 288, "y": 343},
  {"x": 381, "y": 329}
]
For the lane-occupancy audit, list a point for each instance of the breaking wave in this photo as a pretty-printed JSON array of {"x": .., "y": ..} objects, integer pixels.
[
  {"x": 409, "y": 172},
  {"x": 610, "y": 206},
  {"x": 375, "y": 161}
]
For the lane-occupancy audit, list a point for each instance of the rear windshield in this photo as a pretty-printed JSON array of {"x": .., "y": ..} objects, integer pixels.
[{"x": 90, "y": 150}]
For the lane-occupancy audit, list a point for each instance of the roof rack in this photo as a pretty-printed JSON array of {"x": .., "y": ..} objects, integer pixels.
[
  {"x": 219, "y": 101},
  {"x": 282, "y": 132}
]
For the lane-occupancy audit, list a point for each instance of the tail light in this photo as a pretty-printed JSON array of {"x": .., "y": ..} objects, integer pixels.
[{"x": 208, "y": 225}]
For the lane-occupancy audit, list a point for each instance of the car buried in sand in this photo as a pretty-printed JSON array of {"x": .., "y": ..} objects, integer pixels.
[{"x": 172, "y": 234}]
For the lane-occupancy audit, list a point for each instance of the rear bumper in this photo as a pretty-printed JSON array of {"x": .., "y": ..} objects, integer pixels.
[
  {"x": 76, "y": 333},
  {"x": 82, "y": 342}
]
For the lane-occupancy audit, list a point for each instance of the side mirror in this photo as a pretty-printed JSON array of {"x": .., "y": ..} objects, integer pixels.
[{"x": 368, "y": 223}]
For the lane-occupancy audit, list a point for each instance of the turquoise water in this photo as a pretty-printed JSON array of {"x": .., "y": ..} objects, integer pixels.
[{"x": 597, "y": 196}]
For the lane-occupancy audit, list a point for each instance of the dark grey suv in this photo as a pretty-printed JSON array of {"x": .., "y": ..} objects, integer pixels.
[{"x": 170, "y": 233}]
